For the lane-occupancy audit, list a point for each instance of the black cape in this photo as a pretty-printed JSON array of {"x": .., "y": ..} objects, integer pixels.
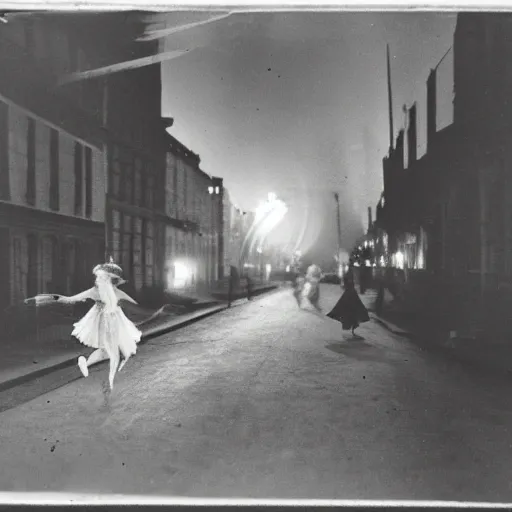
[{"x": 349, "y": 310}]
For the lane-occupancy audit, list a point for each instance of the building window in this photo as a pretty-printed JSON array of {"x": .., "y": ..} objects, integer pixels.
[
  {"x": 18, "y": 128},
  {"x": 138, "y": 182},
  {"x": 69, "y": 258},
  {"x": 88, "y": 182},
  {"x": 78, "y": 179},
  {"x": 116, "y": 235},
  {"x": 127, "y": 245},
  {"x": 175, "y": 208},
  {"x": 32, "y": 285},
  {"x": 42, "y": 163},
  {"x": 20, "y": 267},
  {"x": 54, "y": 169},
  {"x": 148, "y": 252},
  {"x": 5, "y": 186},
  {"x": 150, "y": 191},
  {"x": 115, "y": 174},
  {"x": 31, "y": 162},
  {"x": 137, "y": 253},
  {"x": 49, "y": 270},
  {"x": 128, "y": 180},
  {"x": 82, "y": 269},
  {"x": 143, "y": 187}
]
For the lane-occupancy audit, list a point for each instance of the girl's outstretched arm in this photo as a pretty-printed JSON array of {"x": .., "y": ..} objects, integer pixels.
[
  {"x": 80, "y": 297},
  {"x": 124, "y": 296}
]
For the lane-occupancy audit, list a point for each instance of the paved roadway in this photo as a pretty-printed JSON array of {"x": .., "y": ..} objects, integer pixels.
[{"x": 268, "y": 401}]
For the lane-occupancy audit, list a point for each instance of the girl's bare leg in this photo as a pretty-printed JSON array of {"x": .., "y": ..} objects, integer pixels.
[
  {"x": 97, "y": 356},
  {"x": 123, "y": 362},
  {"x": 114, "y": 365}
]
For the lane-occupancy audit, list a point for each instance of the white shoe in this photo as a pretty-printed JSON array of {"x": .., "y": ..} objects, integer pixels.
[{"x": 82, "y": 364}]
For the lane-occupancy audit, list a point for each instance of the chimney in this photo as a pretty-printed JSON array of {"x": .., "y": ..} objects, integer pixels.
[
  {"x": 431, "y": 108},
  {"x": 411, "y": 136},
  {"x": 370, "y": 217}
]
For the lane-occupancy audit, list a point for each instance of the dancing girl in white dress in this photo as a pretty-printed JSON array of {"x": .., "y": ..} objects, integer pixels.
[{"x": 105, "y": 327}]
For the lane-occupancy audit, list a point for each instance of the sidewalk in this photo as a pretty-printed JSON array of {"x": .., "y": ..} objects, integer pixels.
[
  {"x": 482, "y": 352},
  {"x": 28, "y": 361},
  {"x": 51, "y": 348}
]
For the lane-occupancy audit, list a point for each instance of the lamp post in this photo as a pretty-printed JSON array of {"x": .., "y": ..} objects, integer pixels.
[
  {"x": 215, "y": 191},
  {"x": 337, "y": 199}
]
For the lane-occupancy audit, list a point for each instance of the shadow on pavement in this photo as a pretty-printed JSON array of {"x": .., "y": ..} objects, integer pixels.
[{"x": 359, "y": 350}]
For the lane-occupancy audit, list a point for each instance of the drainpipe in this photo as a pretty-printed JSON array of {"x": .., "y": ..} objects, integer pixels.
[{"x": 108, "y": 224}]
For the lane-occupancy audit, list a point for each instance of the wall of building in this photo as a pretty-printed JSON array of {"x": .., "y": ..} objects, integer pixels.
[
  {"x": 52, "y": 182},
  {"x": 462, "y": 190},
  {"x": 135, "y": 151},
  {"x": 191, "y": 236},
  {"x": 78, "y": 176}
]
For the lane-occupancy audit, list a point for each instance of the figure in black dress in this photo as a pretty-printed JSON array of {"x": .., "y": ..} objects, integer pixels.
[{"x": 349, "y": 310}]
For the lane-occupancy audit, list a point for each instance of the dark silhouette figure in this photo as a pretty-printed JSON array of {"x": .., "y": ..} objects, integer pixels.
[
  {"x": 249, "y": 287},
  {"x": 349, "y": 310}
]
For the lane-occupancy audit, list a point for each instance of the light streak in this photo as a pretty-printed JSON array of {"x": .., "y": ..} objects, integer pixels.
[
  {"x": 122, "y": 66},
  {"x": 159, "y": 34}
]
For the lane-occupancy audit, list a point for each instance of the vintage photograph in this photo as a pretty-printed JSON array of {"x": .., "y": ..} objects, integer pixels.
[{"x": 256, "y": 253}]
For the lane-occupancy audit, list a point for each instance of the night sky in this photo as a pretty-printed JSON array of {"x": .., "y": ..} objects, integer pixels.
[{"x": 296, "y": 104}]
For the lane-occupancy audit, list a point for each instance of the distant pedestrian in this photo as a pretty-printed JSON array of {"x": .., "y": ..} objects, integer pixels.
[
  {"x": 298, "y": 287},
  {"x": 249, "y": 287},
  {"x": 312, "y": 286},
  {"x": 349, "y": 310},
  {"x": 105, "y": 327}
]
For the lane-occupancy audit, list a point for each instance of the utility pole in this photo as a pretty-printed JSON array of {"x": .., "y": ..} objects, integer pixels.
[
  {"x": 338, "y": 220},
  {"x": 390, "y": 102}
]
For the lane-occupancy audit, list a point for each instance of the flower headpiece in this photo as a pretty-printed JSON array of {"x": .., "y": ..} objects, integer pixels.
[{"x": 109, "y": 268}]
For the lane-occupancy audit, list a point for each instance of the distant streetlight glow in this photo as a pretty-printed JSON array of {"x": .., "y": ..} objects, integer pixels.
[
  {"x": 182, "y": 273},
  {"x": 399, "y": 259}
]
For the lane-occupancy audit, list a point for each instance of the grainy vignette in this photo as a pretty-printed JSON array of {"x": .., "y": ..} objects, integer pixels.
[{"x": 395, "y": 182}]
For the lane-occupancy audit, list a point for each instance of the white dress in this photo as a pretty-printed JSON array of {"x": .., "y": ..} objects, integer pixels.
[{"x": 109, "y": 331}]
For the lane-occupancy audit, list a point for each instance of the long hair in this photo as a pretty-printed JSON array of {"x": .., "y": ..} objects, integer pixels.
[{"x": 106, "y": 290}]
